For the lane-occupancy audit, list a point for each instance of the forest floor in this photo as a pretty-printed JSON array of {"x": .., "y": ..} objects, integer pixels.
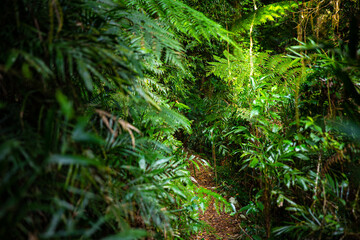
[{"x": 221, "y": 226}]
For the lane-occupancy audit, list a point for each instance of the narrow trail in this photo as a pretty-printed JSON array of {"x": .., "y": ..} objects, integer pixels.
[{"x": 222, "y": 226}]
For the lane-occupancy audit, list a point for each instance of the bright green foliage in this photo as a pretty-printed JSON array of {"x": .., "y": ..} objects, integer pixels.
[
  {"x": 300, "y": 173},
  {"x": 299, "y": 169},
  {"x": 270, "y": 70},
  {"x": 264, "y": 14},
  {"x": 183, "y": 18}
]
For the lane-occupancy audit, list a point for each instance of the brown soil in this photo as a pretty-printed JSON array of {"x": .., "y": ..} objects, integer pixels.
[{"x": 222, "y": 226}]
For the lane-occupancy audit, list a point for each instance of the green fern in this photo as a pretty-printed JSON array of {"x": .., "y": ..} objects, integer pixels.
[
  {"x": 183, "y": 18},
  {"x": 264, "y": 14},
  {"x": 280, "y": 69},
  {"x": 270, "y": 70}
]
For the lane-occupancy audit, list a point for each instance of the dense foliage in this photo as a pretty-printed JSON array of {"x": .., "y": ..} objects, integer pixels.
[
  {"x": 102, "y": 100},
  {"x": 87, "y": 133}
]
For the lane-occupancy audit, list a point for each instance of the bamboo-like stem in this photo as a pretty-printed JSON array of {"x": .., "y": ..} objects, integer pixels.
[
  {"x": 317, "y": 178},
  {"x": 251, "y": 50},
  {"x": 329, "y": 98},
  {"x": 228, "y": 57},
  {"x": 214, "y": 157},
  {"x": 252, "y": 43}
]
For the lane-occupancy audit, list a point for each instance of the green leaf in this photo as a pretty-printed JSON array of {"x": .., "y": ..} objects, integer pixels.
[
  {"x": 301, "y": 156},
  {"x": 160, "y": 162},
  {"x": 11, "y": 60},
  {"x": 271, "y": 18},
  {"x": 80, "y": 135},
  {"x": 254, "y": 162},
  {"x": 182, "y": 106},
  {"x": 177, "y": 190},
  {"x": 71, "y": 160},
  {"x": 245, "y": 208},
  {"x": 65, "y": 105},
  {"x": 142, "y": 164},
  {"x": 260, "y": 205},
  {"x": 302, "y": 181},
  {"x": 85, "y": 74},
  {"x": 314, "y": 137},
  {"x": 26, "y": 71},
  {"x": 240, "y": 129}
]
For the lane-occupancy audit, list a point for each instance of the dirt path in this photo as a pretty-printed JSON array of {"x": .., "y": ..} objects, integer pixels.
[{"x": 223, "y": 226}]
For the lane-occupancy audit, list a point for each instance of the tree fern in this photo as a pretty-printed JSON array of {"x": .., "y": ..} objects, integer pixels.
[{"x": 269, "y": 69}]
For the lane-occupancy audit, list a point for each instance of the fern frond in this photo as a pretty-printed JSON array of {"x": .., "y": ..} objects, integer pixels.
[
  {"x": 264, "y": 14},
  {"x": 151, "y": 36},
  {"x": 183, "y": 18},
  {"x": 269, "y": 69}
]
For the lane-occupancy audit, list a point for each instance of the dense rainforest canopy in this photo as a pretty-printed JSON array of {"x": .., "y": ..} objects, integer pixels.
[{"x": 108, "y": 106}]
